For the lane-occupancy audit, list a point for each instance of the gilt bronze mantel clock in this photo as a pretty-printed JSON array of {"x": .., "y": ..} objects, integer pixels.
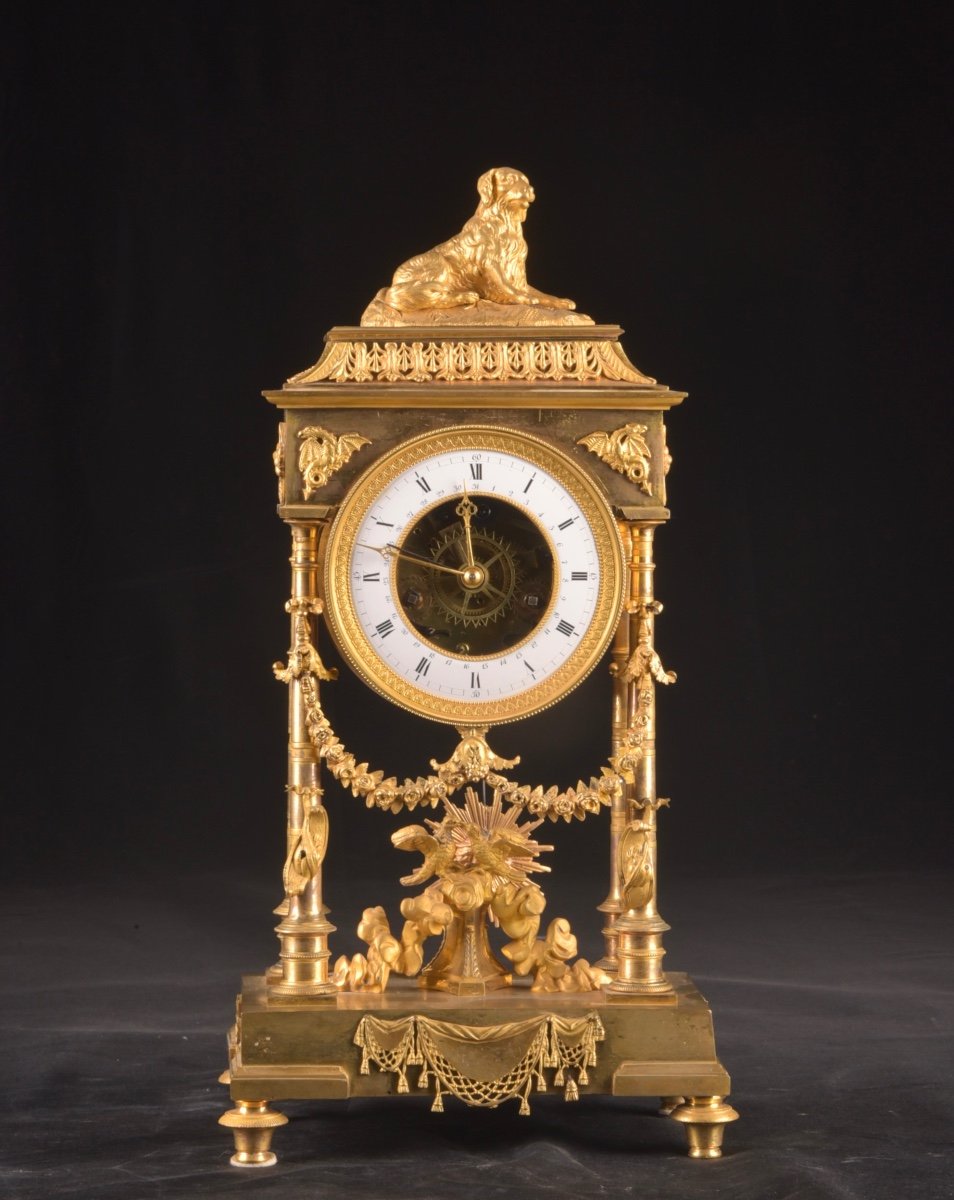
[{"x": 472, "y": 478}]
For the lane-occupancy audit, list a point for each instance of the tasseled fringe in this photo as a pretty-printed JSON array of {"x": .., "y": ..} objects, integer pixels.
[
  {"x": 360, "y": 1039},
  {"x": 553, "y": 1047},
  {"x": 415, "y": 1057},
  {"x": 574, "y": 1051}
]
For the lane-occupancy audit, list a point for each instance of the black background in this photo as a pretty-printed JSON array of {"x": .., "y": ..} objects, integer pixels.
[
  {"x": 198, "y": 192},
  {"x": 194, "y": 194}
]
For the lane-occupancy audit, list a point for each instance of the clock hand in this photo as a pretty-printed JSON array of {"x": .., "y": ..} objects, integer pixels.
[
  {"x": 466, "y": 510},
  {"x": 391, "y": 551}
]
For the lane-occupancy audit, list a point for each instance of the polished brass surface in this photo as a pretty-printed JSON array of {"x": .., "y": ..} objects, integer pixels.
[
  {"x": 462, "y": 370},
  {"x": 477, "y": 277}
]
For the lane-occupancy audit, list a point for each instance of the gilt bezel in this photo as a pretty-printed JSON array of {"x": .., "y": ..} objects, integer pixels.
[{"x": 355, "y": 644}]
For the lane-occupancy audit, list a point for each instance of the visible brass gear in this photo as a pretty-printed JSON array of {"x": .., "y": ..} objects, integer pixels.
[{"x": 480, "y": 605}]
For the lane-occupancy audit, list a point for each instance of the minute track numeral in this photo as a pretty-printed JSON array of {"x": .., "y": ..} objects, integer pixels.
[{"x": 428, "y": 670}]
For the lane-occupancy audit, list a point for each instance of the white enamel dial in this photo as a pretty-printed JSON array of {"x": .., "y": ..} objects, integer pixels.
[{"x": 473, "y": 575}]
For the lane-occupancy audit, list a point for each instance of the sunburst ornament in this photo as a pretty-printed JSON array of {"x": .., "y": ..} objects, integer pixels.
[{"x": 483, "y": 841}]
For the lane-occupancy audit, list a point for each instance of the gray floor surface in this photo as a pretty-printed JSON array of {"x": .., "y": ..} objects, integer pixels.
[{"x": 833, "y": 1012}]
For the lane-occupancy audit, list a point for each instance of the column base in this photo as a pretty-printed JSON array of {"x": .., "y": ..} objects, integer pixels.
[
  {"x": 640, "y": 957},
  {"x": 307, "y": 990},
  {"x": 302, "y": 968}
]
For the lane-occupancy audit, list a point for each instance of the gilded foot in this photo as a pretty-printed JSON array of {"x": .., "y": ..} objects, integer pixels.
[
  {"x": 252, "y": 1123},
  {"x": 705, "y": 1119},
  {"x": 668, "y": 1104}
]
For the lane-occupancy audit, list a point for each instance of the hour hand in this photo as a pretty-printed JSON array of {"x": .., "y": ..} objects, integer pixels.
[{"x": 467, "y": 510}]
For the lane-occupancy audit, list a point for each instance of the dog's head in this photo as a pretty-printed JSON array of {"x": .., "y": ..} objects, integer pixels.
[{"x": 506, "y": 190}]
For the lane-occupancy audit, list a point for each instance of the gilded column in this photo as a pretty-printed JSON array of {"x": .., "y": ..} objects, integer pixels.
[
  {"x": 640, "y": 927},
  {"x": 304, "y": 929},
  {"x": 612, "y": 906}
]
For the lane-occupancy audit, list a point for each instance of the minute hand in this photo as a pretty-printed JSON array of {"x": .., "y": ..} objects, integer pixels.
[{"x": 390, "y": 549}]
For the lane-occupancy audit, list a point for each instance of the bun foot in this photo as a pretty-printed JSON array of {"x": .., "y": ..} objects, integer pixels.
[
  {"x": 252, "y": 1123},
  {"x": 705, "y": 1119}
]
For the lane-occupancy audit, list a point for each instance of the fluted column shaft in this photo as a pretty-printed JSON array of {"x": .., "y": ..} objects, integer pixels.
[
  {"x": 640, "y": 928},
  {"x": 303, "y": 932}
]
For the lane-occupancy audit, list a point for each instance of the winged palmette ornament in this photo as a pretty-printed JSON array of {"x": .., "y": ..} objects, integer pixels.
[
  {"x": 322, "y": 453},
  {"x": 625, "y": 450}
]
